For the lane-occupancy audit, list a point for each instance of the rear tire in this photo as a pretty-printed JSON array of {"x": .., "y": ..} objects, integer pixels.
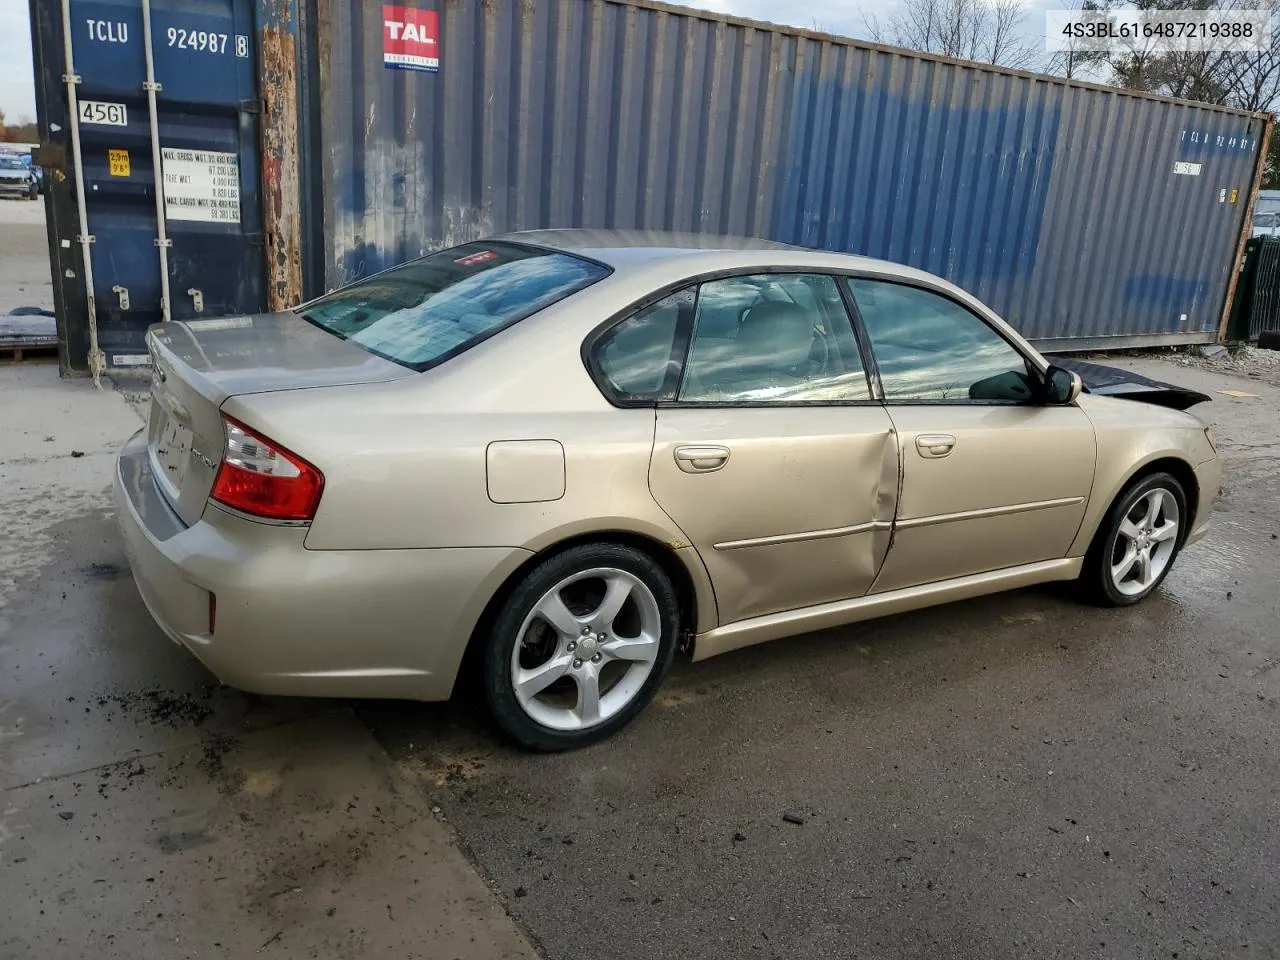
[
  {"x": 580, "y": 646},
  {"x": 1137, "y": 542}
]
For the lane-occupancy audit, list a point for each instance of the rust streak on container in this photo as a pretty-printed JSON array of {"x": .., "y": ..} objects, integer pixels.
[{"x": 280, "y": 179}]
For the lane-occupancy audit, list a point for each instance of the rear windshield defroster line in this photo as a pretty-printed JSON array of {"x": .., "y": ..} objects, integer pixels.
[{"x": 426, "y": 311}]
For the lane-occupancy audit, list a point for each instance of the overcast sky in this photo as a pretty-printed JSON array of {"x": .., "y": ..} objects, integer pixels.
[
  {"x": 17, "y": 93},
  {"x": 17, "y": 96}
]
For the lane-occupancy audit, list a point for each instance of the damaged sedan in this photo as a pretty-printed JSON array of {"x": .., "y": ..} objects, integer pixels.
[{"x": 568, "y": 456}]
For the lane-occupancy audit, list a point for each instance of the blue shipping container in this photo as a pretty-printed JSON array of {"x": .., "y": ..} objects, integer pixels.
[
  {"x": 307, "y": 143},
  {"x": 210, "y": 217},
  {"x": 1085, "y": 215}
]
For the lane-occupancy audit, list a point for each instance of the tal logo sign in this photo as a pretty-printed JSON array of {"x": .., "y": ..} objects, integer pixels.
[{"x": 410, "y": 39}]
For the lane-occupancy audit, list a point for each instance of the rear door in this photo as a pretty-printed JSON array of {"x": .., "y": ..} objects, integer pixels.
[
  {"x": 769, "y": 452},
  {"x": 991, "y": 478}
]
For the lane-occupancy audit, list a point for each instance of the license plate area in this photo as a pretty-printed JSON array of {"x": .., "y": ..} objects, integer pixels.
[{"x": 170, "y": 443}]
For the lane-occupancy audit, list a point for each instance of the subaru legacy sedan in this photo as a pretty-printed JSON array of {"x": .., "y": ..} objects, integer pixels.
[{"x": 574, "y": 454}]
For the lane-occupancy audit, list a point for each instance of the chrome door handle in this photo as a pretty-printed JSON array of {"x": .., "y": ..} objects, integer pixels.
[
  {"x": 935, "y": 444},
  {"x": 701, "y": 459}
]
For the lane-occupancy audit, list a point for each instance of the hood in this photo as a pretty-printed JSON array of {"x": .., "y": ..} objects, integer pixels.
[
  {"x": 1113, "y": 382},
  {"x": 228, "y": 356}
]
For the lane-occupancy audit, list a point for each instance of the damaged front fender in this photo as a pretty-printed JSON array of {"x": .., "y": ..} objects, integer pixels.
[{"x": 1114, "y": 382}]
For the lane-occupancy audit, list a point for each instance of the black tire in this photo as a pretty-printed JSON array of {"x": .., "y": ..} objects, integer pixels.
[
  {"x": 500, "y": 644},
  {"x": 1096, "y": 582}
]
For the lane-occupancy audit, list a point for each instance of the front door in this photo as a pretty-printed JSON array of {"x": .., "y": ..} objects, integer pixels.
[
  {"x": 990, "y": 477},
  {"x": 774, "y": 460}
]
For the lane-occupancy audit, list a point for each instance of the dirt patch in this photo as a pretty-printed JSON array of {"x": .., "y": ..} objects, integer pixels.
[{"x": 162, "y": 706}]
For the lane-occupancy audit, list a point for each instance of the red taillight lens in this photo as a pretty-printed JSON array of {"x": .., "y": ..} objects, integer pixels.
[{"x": 261, "y": 478}]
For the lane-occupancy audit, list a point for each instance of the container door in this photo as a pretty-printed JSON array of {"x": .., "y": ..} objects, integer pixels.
[{"x": 207, "y": 121}]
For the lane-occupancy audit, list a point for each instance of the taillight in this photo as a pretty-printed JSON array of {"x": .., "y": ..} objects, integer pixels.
[{"x": 261, "y": 478}]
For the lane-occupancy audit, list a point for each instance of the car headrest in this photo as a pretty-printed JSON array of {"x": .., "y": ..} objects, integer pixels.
[{"x": 780, "y": 332}]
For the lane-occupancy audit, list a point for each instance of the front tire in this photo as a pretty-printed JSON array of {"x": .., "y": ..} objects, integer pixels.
[
  {"x": 580, "y": 646},
  {"x": 1137, "y": 542}
]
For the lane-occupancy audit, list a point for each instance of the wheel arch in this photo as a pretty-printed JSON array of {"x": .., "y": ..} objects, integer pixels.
[
  {"x": 1166, "y": 462},
  {"x": 678, "y": 560}
]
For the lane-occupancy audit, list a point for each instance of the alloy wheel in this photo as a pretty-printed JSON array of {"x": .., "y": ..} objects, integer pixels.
[
  {"x": 1145, "y": 542},
  {"x": 586, "y": 649}
]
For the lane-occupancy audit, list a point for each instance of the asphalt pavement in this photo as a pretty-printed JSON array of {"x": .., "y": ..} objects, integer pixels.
[{"x": 1016, "y": 776}]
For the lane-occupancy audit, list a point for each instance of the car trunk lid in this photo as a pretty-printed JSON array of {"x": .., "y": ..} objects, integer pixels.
[{"x": 198, "y": 364}]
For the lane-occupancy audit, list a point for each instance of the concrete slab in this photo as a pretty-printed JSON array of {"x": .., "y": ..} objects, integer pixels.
[
  {"x": 57, "y": 448},
  {"x": 146, "y": 811},
  {"x": 25, "y": 280},
  {"x": 86, "y": 677},
  {"x": 297, "y": 841}
]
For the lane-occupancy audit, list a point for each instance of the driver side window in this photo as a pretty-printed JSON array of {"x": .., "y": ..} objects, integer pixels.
[{"x": 929, "y": 348}]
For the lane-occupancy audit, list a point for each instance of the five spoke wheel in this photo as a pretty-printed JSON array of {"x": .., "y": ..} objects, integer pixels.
[
  {"x": 586, "y": 648},
  {"x": 1147, "y": 539}
]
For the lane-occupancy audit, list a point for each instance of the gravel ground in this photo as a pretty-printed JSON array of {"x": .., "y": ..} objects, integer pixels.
[{"x": 1241, "y": 360}]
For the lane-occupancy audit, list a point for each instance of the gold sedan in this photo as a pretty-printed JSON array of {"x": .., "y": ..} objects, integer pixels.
[{"x": 575, "y": 453}]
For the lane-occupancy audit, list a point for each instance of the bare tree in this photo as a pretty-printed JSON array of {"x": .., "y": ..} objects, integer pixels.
[
  {"x": 989, "y": 31},
  {"x": 1251, "y": 79},
  {"x": 1079, "y": 58}
]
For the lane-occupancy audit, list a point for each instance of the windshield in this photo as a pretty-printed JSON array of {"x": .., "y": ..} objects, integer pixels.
[
  {"x": 421, "y": 313},
  {"x": 11, "y": 163}
]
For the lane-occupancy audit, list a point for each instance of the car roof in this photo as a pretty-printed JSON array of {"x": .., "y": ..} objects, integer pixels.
[
  {"x": 634, "y": 245},
  {"x": 677, "y": 253}
]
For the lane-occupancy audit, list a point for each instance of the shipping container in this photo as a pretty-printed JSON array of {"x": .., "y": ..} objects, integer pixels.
[
  {"x": 1087, "y": 216},
  {"x": 126, "y": 89}
]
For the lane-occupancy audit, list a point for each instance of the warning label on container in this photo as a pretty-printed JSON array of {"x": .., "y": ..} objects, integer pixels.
[
  {"x": 201, "y": 185},
  {"x": 410, "y": 39}
]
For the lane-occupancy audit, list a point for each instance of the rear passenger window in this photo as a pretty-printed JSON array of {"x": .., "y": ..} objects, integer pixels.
[
  {"x": 773, "y": 338},
  {"x": 639, "y": 358}
]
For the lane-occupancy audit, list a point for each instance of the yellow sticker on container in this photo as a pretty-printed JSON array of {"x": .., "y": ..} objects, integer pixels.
[
  {"x": 118, "y": 162},
  {"x": 1235, "y": 194}
]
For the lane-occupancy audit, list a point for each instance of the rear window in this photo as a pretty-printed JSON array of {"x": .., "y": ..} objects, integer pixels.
[{"x": 421, "y": 313}]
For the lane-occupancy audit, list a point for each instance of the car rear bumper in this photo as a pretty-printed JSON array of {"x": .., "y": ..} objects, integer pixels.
[{"x": 361, "y": 623}]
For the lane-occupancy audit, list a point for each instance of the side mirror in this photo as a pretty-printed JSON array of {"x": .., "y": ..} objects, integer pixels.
[{"x": 1061, "y": 387}]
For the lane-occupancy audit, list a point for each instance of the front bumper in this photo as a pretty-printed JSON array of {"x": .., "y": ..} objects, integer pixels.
[
  {"x": 360, "y": 623},
  {"x": 16, "y": 188}
]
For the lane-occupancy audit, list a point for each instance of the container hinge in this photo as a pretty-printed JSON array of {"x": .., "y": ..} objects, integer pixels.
[
  {"x": 71, "y": 78},
  {"x": 251, "y": 106},
  {"x": 258, "y": 239},
  {"x": 197, "y": 299},
  {"x": 150, "y": 85},
  {"x": 81, "y": 238},
  {"x": 166, "y": 242}
]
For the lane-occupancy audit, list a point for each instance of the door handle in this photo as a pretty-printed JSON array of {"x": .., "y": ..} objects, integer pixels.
[
  {"x": 701, "y": 459},
  {"x": 935, "y": 444}
]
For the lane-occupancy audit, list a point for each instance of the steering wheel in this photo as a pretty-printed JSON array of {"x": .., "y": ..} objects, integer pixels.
[{"x": 819, "y": 352}]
